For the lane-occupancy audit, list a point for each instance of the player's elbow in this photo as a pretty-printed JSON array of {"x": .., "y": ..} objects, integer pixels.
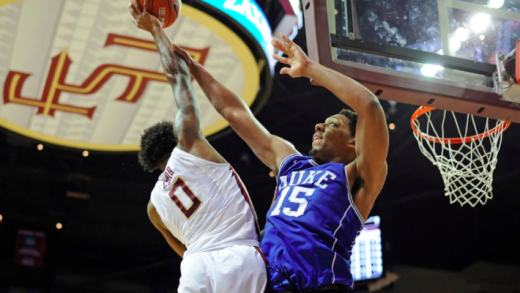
[
  {"x": 233, "y": 116},
  {"x": 186, "y": 133},
  {"x": 373, "y": 113},
  {"x": 371, "y": 106}
]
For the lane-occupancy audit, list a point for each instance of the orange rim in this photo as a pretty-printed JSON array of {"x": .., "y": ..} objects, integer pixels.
[{"x": 423, "y": 110}]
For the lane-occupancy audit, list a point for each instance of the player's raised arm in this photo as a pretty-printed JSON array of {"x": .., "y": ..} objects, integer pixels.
[
  {"x": 270, "y": 149},
  {"x": 371, "y": 140},
  {"x": 186, "y": 126}
]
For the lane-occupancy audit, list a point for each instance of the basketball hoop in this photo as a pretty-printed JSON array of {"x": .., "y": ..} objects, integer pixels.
[{"x": 466, "y": 162}]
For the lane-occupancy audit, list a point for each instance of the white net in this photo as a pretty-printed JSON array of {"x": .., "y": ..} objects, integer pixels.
[{"x": 466, "y": 162}]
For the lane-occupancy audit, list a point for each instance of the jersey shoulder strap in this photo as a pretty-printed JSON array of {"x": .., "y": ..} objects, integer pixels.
[
  {"x": 295, "y": 162},
  {"x": 189, "y": 160}
]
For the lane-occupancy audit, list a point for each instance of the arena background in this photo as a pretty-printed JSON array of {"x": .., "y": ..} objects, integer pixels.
[{"x": 107, "y": 244}]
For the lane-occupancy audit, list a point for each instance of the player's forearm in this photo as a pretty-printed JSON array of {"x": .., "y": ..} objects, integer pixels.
[
  {"x": 349, "y": 91},
  {"x": 187, "y": 119},
  {"x": 239, "y": 116},
  {"x": 170, "y": 61},
  {"x": 176, "y": 70},
  {"x": 222, "y": 99}
]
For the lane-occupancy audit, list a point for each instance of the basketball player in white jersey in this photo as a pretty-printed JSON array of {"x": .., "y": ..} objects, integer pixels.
[{"x": 199, "y": 203}]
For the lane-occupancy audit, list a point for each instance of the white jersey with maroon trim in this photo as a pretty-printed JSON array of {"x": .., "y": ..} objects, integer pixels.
[{"x": 204, "y": 204}]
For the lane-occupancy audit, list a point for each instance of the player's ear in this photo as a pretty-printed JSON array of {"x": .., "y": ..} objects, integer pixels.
[{"x": 351, "y": 143}]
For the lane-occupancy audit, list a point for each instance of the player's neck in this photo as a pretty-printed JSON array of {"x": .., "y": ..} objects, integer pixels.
[{"x": 345, "y": 159}]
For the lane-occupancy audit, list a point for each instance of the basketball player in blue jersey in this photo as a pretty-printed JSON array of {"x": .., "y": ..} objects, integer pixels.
[{"x": 322, "y": 200}]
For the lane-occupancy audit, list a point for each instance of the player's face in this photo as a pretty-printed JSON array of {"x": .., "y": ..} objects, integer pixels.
[{"x": 332, "y": 141}]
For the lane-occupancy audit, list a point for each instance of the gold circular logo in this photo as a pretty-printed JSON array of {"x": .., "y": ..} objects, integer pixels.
[{"x": 82, "y": 75}]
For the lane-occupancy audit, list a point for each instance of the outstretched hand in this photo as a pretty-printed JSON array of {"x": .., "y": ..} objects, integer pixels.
[
  {"x": 142, "y": 18},
  {"x": 296, "y": 58}
]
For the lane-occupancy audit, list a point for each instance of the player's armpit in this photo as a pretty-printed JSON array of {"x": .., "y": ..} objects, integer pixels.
[
  {"x": 371, "y": 143},
  {"x": 364, "y": 194},
  {"x": 174, "y": 243},
  {"x": 280, "y": 149}
]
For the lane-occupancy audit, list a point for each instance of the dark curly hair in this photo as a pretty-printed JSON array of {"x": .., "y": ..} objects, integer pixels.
[
  {"x": 157, "y": 143},
  {"x": 352, "y": 117}
]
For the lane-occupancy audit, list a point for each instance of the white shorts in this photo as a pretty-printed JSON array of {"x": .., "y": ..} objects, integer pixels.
[{"x": 234, "y": 269}]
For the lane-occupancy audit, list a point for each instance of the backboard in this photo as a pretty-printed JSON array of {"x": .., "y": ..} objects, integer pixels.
[{"x": 440, "y": 53}]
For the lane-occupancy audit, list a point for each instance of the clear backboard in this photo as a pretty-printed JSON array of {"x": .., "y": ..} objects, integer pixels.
[{"x": 439, "y": 53}]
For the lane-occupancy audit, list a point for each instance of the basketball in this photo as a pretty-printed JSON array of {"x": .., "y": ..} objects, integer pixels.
[{"x": 167, "y": 11}]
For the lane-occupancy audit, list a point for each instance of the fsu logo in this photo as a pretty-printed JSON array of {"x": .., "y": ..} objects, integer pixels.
[
  {"x": 56, "y": 84},
  {"x": 85, "y": 77}
]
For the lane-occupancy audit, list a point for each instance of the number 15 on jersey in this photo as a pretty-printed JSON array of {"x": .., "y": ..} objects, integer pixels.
[{"x": 298, "y": 196}]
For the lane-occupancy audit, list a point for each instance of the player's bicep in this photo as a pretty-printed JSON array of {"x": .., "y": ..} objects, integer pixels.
[{"x": 371, "y": 144}]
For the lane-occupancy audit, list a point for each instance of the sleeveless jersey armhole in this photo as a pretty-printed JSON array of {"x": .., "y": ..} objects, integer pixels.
[
  {"x": 203, "y": 166},
  {"x": 284, "y": 161},
  {"x": 352, "y": 199},
  {"x": 185, "y": 155},
  {"x": 314, "y": 163}
]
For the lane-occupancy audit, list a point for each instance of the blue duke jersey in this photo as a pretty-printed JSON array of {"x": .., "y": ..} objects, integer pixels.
[{"x": 312, "y": 226}]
